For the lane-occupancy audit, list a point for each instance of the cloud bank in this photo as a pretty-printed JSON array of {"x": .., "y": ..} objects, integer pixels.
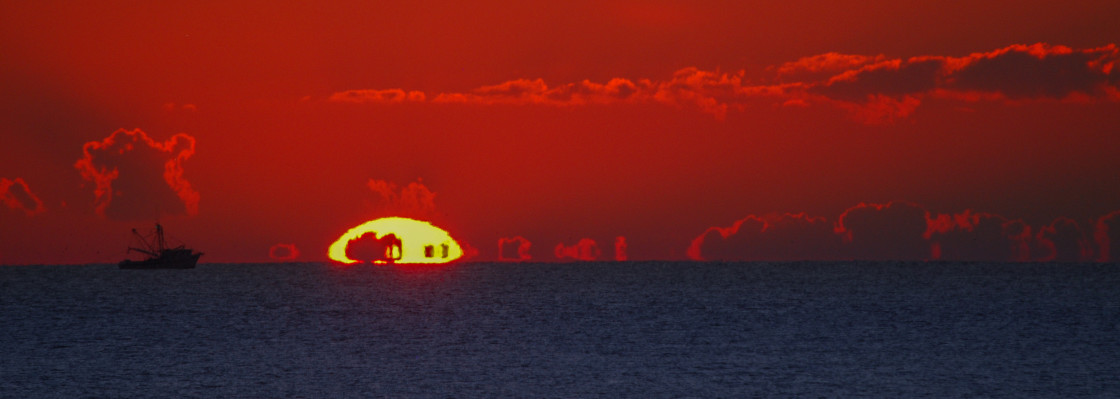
[
  {"x": 873, "y": 88},
  {"x": 768, "y": 237},
  {"x": 902, "y": 230},
  {"x": 891, "y": 231},
  {"x": 978, "y": 236},
  {"x": 1063, "y": 241}
]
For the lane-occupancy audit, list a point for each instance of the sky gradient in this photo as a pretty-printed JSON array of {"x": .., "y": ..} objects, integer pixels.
[{"x": 567, "y": 131}]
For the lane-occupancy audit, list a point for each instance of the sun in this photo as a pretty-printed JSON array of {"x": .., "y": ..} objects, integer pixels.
[{"x": 395, "y": 240}]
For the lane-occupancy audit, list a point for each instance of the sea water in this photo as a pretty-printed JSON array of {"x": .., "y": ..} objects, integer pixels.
[{"x": 631, "y": 329}]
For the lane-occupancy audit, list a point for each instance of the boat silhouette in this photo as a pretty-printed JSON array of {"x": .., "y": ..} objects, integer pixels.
[{"x": 159, "y": 256}]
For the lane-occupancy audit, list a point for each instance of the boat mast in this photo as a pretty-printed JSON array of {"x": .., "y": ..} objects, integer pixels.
[
  {"x": 148, "y": 249},
  {"x": 159, "y": 238}
]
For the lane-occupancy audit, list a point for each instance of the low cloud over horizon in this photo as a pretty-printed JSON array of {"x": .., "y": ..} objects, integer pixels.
[{"x": 900, "y": 230}]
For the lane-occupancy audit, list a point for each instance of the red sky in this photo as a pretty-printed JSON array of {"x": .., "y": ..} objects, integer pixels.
[{"x": 970, "y": 130}]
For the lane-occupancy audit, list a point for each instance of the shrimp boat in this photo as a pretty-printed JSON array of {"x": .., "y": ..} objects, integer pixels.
[{"x": 159, "y": 256}]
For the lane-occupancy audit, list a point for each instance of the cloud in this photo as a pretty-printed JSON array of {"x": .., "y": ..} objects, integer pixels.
[
  {"x": 369, "y": 248},
  {"x": 138, "y": 178},
  {"x": 771, "y": 237},
  {"x": 586, "y": 250},
  {"x": 172, "y": 107},
  {"x": 823, "y": 66},
  {"x": 1018, "y": 72},
  {"x": 377, "y": 96},
  {"x": 892, "y": 231},
  {"x": 1036, "y": 71},
  {"x": 713, "y": 92},
  {"x": 893, "y": 78},
  {"x": 1063, "y": 241},
  {"x": 978, "y": 236},
  {"x": 414, "y": 200},
  {"x": 901, "y": 230},
  {"x": 536, "y": 91},
  {"x": 1107, "y": 233},
  {"x": 620, "y": 249},
  {"x": 514, "y": 249},
  {"x": 880, "y": 109},
  {"x": 16, "y": 195},
  {"x": 283, "y": 252},
  {"x": 874, "y": 89}
]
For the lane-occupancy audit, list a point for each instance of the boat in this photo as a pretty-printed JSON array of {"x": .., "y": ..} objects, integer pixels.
[{"x": 159, "y": 256}]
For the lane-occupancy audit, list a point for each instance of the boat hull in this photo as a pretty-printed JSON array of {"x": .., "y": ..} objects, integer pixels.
[{"x": 178, "y": 262}]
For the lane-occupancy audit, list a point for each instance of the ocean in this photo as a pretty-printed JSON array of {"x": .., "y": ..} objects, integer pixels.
[{"x": 562, "y": 330}]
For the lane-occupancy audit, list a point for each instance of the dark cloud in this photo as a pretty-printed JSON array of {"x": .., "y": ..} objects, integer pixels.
[
  {"x": 977, "y": 236},
  {"x": 895, "y": 78},
  {"x": 283, "y": 252},
  {"x": 586, "y": 250},
  {"x": 771, "y": 237},
  {"x": 1017, "y": 72},
  {"x": 138, "y": 178},
  {"x": 1020, "y": 233},
  {"x": 514, "y": 249},
  {"x": 1062, "y": 241},
  {"x": 1107, "y": 235},
  {"x": 1036, "y": 71},
  {"x": 368, "y": 247},
  {"x": 892, "y": 231},
  {"x": 16, "y": 195}
]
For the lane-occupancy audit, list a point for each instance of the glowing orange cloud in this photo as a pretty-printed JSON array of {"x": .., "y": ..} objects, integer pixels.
[
  {"x": 102, "y": 162},
  {"x": 420, "y": 241},
  {"x": 16, "y": 195}
]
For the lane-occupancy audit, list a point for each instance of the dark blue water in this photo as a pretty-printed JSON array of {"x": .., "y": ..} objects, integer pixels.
[{"x": 642, "y": 329}]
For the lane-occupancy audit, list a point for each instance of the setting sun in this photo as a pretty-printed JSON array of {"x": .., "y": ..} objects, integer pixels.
[{"x": 395, "y": 240}]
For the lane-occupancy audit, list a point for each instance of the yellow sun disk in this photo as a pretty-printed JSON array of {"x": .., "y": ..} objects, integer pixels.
[{"x": 415, "y": 235}]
